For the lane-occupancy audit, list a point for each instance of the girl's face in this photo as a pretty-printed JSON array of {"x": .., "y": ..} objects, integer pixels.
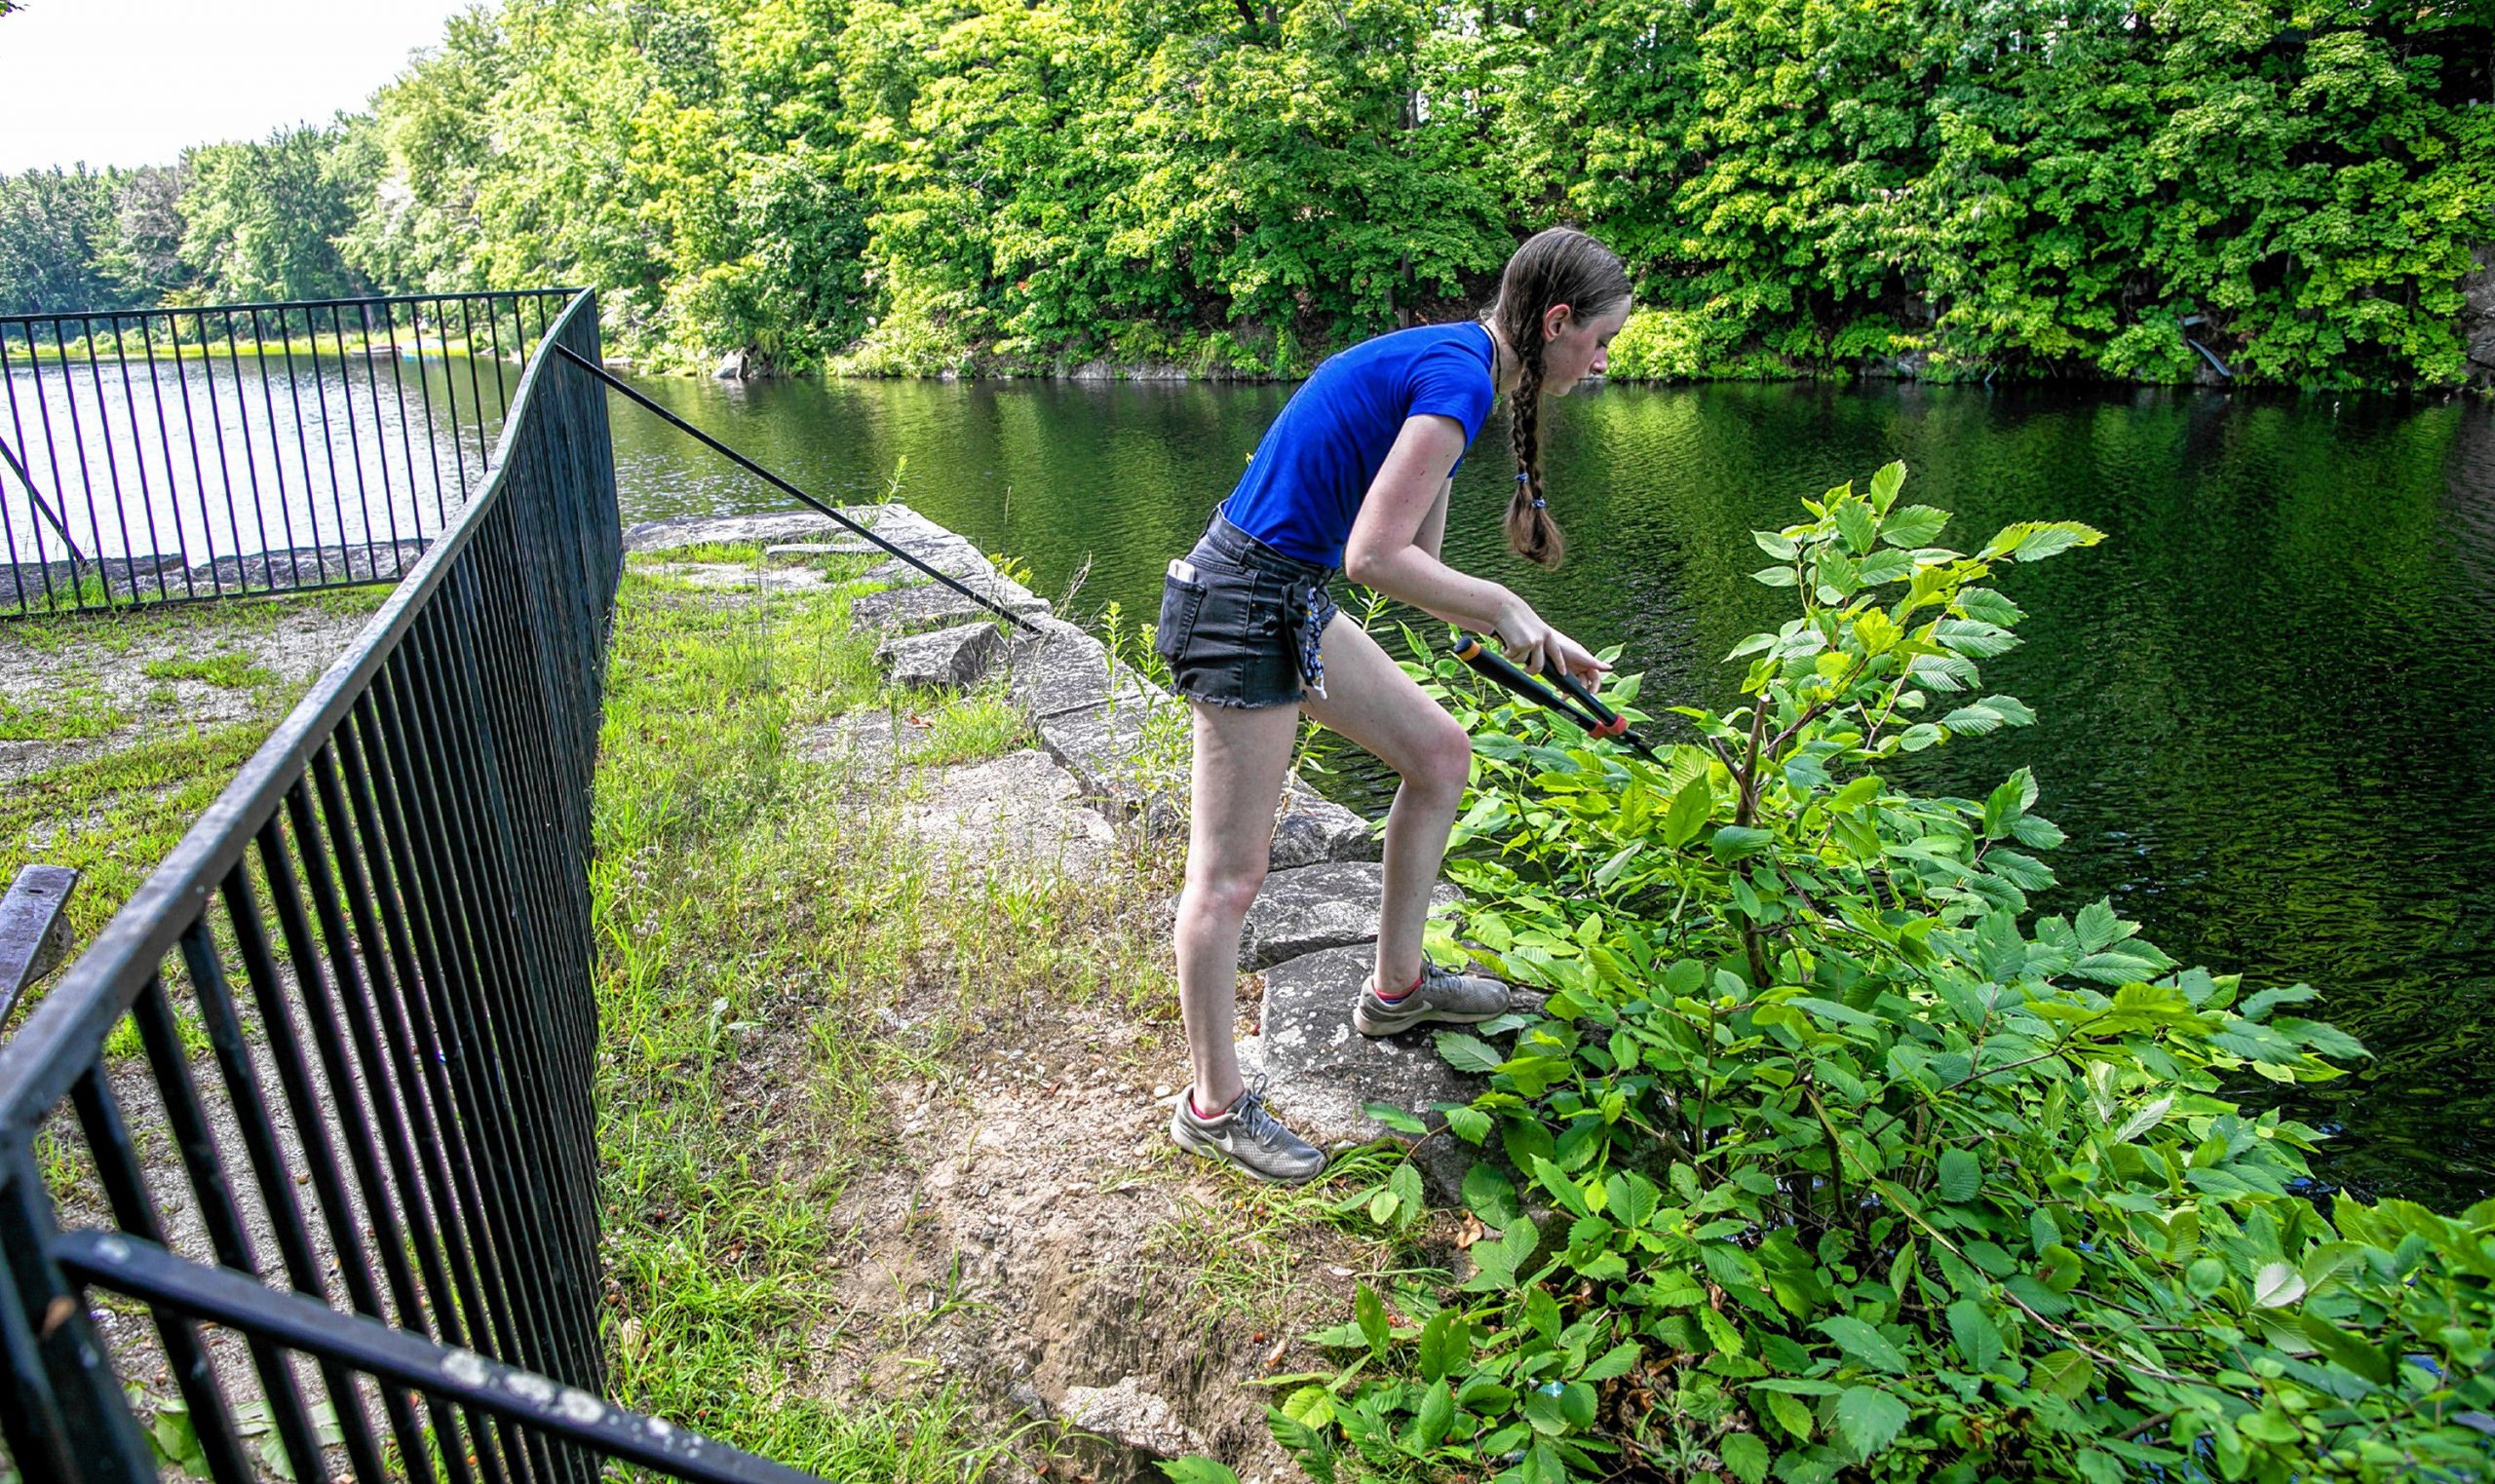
[{"x": 1574, "y": 347}]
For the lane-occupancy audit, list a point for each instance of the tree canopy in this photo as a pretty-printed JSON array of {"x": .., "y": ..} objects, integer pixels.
[{"x": 2135, "y": 189}]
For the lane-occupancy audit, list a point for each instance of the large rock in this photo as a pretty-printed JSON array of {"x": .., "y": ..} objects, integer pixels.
[
  {"x": 1320, "y": 1071},
  {"x": 960, "y": 656},
  {"x": 955, "y": 559},
  {"x": 1132, "y": 1416},
  {"x": 1316, "y": 907},
  {"x": 1062, "y": 670},
  {"x": 776, "y": 526},
  {"x": 1310, "y": 830},
  {"x": 808, "y": 550},
  {"x": 907, "y": 610},
  {"x": 1129, "y": 757}
]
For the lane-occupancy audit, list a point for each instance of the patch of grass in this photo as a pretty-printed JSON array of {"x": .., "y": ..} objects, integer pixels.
[
  {"x": 1248, "y": 1254},
  {"x": 976, "y": 724},
  {"x": 112, "y": 817},
  {"x": 183, "y": 627},
  {"x": 233, "y": 672},
  {"x": 753, "y": 912},
  {"x": 80, "y": 711},
  {"x": 704, "y": 551}
]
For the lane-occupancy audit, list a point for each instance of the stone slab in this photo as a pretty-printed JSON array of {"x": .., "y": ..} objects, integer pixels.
[
  {"x": 1118, "y": 762},
  {"x": 1316, "y": 907},
  {"x": 806, "y": 550},
  {"x": 892, "y": 521},
  {"x": 959, "y": 656},
  {"x": 907, "y": 610},
  {"x": 1320, "y": 1071},
  {"x": 1310, "y": 830}
]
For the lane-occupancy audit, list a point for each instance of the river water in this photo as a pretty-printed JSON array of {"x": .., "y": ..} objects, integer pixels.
[{"x": 2264, "y": 703}]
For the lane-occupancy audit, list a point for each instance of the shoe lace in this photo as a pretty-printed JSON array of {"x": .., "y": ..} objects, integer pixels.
[{"x": 1254, "y": 1118}]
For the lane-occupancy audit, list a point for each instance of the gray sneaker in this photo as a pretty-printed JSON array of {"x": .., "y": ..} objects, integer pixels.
[
  {"x": 1248, "y": 1136},
  {"x": 1450, "y": 995}
]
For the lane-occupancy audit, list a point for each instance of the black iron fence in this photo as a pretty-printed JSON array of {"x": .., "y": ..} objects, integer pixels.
[
  {"x": 161, "y": 454},
  {"x": 296, "y": 1160}
]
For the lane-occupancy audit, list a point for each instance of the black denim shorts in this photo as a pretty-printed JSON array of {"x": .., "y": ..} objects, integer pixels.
[{"x": 1240, "y": 622}]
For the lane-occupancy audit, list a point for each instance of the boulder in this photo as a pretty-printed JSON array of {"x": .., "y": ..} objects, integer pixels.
[
  {"x": 1310, "y": 830},
  {"x": 1314, "y": 907},
  {"x": 1320, "y": 1071},
  {"x": 1132, "y": 1416},
  {"x": 959, "y": 656},
  {"x": 907, "y": 610},
  {"x": 808, "y": 550},
  {"x": 775, "y": 526}
]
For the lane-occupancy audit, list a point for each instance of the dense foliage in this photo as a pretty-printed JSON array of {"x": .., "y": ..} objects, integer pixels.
[
  {"x": 1831, "y": 1157},
  {"x": 1947, "y": 188}
]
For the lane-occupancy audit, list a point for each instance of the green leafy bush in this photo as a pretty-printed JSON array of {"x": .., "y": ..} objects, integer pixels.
[{"x": 1828, "y": 1158}]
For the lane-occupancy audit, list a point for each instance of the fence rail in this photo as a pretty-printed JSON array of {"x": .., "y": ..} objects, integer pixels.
[
  {"x": 169, "y": 454},
  {"x": 360, "y": 998}
]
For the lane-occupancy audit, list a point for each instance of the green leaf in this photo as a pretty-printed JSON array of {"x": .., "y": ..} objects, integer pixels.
[
  {"x": 1436, "y": 1415},
  {"x": 1689, "y": 810},
  {"x": 1856, "y": 523},
  {"x": 1868, "y": 1419},
  {"x": 2064, "y": 1373},
  {"x": 1197, "y": 1471},
  {"x": 1862, "y": 1344},
  {"x": 1959, "y": 1176},
  {"x": 2350, "y": 1352},
  {"x": 1490, "y": 1194},
  {"x": 1886, "y": 483},
  {"x": 1972, "y": 1331},
  {"x": 1744, "y": 1456},
  {"x": 1792, "y": 1413},
  {"x": 2277, "y": 1285},
  {"x": 1469, "y": 1053},
  {"x": 1471, "y": 1125},
  {"x": 1619, "y": 1360},
  {"x": 1370, "y": 1312},
  {"x": 1780, "y": 547},
  {"x": 1397, "y": 1118},
  {"x": 1311, "y": 1406},
  {"x": 1446, "y": 1343},
  {"x": 1774, "y": 577},
  {"x": 1913, "y": 526},
  {"x": 1736, "y": 842}
]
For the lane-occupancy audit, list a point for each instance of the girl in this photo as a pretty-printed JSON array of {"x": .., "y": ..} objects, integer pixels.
[{"x": 1354, "y": 476}]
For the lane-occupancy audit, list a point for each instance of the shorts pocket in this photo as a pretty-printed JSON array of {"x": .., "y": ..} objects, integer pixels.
[{"x": 1181, "y": 603}]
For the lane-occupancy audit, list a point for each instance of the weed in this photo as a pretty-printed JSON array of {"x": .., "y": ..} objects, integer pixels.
[
  {"x": 976, "y": 724},
  {"x": 79, "y": 712},
  {"x": 233, "y": 672}
]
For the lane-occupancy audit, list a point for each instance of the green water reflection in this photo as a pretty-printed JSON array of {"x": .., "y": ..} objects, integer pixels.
[{"x": 2264, "y": 701}]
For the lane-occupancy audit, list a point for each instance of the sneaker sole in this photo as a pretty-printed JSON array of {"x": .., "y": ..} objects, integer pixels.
[
  {"x": 1367, "y": 1026},
  {"x": 1205, "y": 1149}
]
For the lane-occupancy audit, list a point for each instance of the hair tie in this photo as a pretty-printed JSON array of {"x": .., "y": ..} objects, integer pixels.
[
  {"x": 1524, "y": 475},
  {"x": 1537, "y": 503}
]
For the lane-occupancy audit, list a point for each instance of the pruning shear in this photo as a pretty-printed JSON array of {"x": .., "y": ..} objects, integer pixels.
[{"x": 1581, "y": 707}]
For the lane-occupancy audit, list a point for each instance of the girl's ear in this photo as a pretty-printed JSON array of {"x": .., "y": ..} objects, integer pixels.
[{"x": 1554, "y": 319}]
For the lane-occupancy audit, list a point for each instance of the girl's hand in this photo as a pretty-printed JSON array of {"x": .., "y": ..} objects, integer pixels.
[{"x": 1533, "y": 645}]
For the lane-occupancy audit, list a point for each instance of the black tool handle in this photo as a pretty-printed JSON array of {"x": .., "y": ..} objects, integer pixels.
[
  {"x": 1589, "y": 714},
  {"x": 1469, "y": 649}
]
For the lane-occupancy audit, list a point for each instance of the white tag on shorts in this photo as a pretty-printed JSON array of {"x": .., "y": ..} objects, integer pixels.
[{"x": 1183, "y": 570}]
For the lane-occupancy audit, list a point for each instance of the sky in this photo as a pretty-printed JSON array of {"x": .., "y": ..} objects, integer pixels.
[{"x": 131, "y": 82}]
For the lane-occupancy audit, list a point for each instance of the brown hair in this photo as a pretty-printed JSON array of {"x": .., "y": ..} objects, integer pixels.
[{"x": 1558, "y": 266}]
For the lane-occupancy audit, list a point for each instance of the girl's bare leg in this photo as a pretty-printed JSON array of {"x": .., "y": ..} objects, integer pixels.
[
  {"x": 1241, "y": 758},
  {"x": 1375, "y": 704}
]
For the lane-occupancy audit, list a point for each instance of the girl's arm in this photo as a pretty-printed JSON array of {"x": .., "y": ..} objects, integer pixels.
[
  {"x": 1433, "y": 524},
  {"x": 1394, "y": 549}
]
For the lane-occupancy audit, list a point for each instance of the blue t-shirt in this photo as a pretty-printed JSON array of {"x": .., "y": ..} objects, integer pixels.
[{"x": 1304, "y": 488}]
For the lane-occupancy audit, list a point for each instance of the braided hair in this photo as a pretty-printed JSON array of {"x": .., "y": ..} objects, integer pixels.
[{"x": 1558, "y": 266}]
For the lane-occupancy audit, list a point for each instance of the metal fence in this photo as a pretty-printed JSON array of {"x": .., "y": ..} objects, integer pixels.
[
  {"x": 332, "y": 1202},
  {"x": 165, "y": 454}
]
